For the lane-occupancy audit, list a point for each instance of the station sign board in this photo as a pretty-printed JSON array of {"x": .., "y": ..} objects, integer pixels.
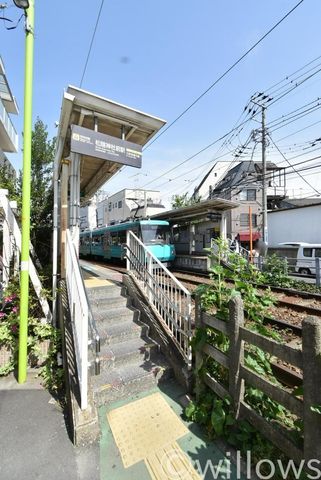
[{"x": 99, "y": 145}]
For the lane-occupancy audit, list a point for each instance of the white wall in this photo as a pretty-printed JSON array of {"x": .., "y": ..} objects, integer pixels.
[
  {"x": 121, "y": 205},
  {"x": 295, "y": 225},
  {"x": 218, "y": 172}
]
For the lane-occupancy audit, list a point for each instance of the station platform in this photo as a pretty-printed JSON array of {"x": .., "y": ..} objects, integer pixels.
[
  {"x": 197, "y": 263},
  {"x": 92, "y": 271}
]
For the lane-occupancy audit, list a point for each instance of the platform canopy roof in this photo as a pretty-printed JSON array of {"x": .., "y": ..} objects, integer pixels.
[
  {"x": 198, "y": 210},
  {"x": 102, "y": 115}
]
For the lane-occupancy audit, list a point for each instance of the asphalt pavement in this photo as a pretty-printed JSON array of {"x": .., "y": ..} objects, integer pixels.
[{"x": 34, "y": 441}]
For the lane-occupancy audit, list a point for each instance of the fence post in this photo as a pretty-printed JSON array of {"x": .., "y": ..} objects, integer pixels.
[
  {"x": 286, "y": 266},
  {"x": 317, "y": 272},
  {"x": 236, "y": 352},
  {"x": 198, "y": 353},
  {"x": 311, "y": 349},
  {"x": 150, "y": 277},
  {"x": 127, "y": 251},
  {"x": 5, "y": 239}
]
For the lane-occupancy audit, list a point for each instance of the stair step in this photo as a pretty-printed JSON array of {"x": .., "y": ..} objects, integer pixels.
[
  {"x": 118, "y": 354},
  {"x": 98, "y": 304},
  {"x": 115, "y": 315},
  {"x": 111, "y": 291},
  {"x": 111, "y": 333},
  {"x": 113, "y": 384}
]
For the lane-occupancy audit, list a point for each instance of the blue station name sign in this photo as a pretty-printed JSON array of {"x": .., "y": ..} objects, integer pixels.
[{"x": 99, "y": 145}]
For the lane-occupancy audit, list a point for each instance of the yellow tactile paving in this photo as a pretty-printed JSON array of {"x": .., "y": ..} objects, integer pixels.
[
  {"x": 171, "y": 463},
  {"x": 143, "y": 427},
  {"x": 96, "y": 282}
]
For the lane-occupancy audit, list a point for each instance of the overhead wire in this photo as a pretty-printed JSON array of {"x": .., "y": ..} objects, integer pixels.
[
  {"x": 224, "y": 74},
  {"x": 281, "y": 153},
  {"x": 292, "y": 74},
  {"x": 92, "y": 41},
  {"x": 233, "y": 132}
]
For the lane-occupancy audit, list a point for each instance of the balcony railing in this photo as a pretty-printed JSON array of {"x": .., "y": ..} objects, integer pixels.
[{"x": 8, "y": 134}]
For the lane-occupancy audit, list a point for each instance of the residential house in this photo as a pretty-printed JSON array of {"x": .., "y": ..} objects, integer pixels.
[{"x": 243, "y": 183}]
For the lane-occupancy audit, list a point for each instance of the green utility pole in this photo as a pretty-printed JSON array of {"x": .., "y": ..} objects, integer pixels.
[{"x": 26, "y": 187}]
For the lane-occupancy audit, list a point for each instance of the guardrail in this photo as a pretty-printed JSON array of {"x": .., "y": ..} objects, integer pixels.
[
  {"x": 168, "y": 298},
  {"x": 307, "y": 359},
  {"x": 232, "y": 247},
  {"x": 12, "y": 247},
  {"x": 81, "y": 319}
]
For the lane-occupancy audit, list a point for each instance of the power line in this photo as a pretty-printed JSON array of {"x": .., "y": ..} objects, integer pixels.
[
  {"x": 292, "y": 74},
  {"x": 244, "y": 182},
  {"x": 298, "y": 131},
  {"x": 192, "y": 156},
  {"x": 295, "y": 86},
  {"x": 235, "y": 131},
  {"x": 92, "y": 41},
  {"x": 293, "y": 167},
  {"x": 297, "y": 111},
  {"x": 224, "y": 74},
  {"x": 293, "y": 81}
]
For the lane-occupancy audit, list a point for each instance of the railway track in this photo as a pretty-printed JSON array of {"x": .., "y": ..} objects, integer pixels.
[
  {"x": 197, "y": 279},
  {"x": 284, "y": 374},
  {"x": 284, "y": 290}
]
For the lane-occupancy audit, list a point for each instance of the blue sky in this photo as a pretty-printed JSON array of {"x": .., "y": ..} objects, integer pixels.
[{"x": 158, "y": 57}]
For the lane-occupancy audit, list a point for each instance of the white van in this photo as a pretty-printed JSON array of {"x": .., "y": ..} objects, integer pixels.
[{"x": 306, "y": 255}]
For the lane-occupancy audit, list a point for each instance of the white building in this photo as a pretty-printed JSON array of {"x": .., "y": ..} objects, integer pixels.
[
  {"x": 129, "y": 203},
  {"x": 123, "y": 205},
  {"x": 296, "y": 224},
  {"x": 8, "y": 134},
  {"x": 217, "y": 173}
]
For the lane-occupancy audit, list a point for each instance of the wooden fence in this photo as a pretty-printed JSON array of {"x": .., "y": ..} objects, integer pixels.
[{"x": 308, "y": 359}]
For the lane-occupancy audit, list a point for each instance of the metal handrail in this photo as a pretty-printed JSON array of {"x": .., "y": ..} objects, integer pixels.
[
  {"x": 79, "y": 310},
  {"x": 94, "y": 337},
  {"x": 169, "y": 299}
]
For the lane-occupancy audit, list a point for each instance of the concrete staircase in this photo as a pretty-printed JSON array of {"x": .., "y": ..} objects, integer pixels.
[{"x": 130, "y": 360}]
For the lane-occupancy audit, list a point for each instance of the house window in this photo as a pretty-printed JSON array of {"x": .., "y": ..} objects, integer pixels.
[
  {"x": 248, "y": 195},
  {"x": 109, "y": 206},
  {"x": 120, "y": 204},
  {"x": 244, "y": 220}
]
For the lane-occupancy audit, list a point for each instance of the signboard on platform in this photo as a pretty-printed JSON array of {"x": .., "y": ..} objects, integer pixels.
[{"x": 106, "y": 147}]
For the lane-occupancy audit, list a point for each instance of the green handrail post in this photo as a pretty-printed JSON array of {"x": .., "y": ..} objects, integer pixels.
[{"x": 26, "y": 189}]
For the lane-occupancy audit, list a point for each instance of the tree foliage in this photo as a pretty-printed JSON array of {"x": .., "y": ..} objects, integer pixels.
[
  {"x": 41, "y": 202},
  {"x": 42, "y": 156},
  {"x": 8, "y": 182},
  {"x": 179, "y": 201}
]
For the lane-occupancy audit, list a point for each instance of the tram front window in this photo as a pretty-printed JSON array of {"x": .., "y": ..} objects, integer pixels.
[{"x": 155, "y": 234}]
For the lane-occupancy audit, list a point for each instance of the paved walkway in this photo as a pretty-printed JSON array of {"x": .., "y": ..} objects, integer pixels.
[
  {"x": 34, "y": 443},
  {"x": 194, "y": 444}
]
